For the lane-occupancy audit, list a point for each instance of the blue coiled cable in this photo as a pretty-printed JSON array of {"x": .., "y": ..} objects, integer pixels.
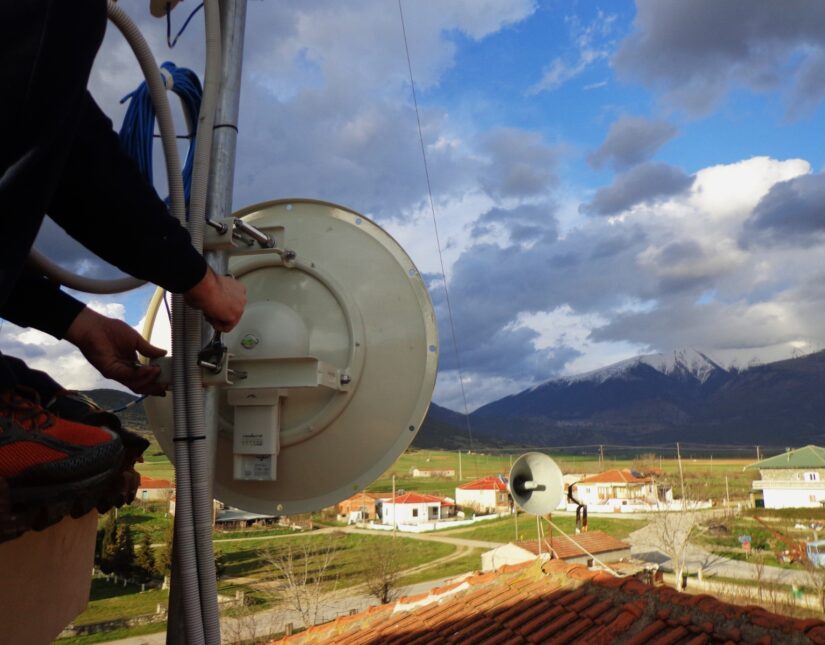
[{"x": 138, "y": 130}]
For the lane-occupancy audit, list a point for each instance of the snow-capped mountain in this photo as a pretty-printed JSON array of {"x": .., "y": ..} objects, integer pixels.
[
  {"x": 688, "y": 363},
  {"x": 683, "y": 395}
]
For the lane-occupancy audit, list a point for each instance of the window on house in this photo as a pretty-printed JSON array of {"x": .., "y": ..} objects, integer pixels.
[
  {"x": 811, "y": 477},
  {"x": 415, "y": 512}
]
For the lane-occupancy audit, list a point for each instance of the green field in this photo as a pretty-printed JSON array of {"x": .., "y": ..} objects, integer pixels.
[
  {"x": 504, "y": 530},
  {"x": 353, "y": 555},
  {"x": 704, "y": 478}
]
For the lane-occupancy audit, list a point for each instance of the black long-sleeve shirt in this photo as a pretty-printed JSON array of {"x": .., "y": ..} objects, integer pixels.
[
  {"x": 103, "y": 202},
  {"x": 59, "y": 154}
]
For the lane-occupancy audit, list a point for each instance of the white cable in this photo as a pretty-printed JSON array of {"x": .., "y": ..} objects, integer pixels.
[{"x": 167, "y": 131}]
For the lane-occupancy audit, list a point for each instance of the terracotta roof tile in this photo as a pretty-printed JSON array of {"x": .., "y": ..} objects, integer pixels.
[
  {"x": 485, "y": 483},
  {"x": 420, "y": 498},
  {"x": 565, "y": 604},
  {"x": 615, "y": 476},
  {"x": 701, "y": 639},
  {"x": 148, "y": 482}
]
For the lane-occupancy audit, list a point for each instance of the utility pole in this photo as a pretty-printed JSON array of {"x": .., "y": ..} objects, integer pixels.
[
  {"x": 681, "y": 474},
  {"x": 758, "y": 455},
  {"x": 394, "y": 508},
  {"x": 460, "y": 474},
  {"x": 727, "y": 492},
  {"x": 601, "y": 457}
]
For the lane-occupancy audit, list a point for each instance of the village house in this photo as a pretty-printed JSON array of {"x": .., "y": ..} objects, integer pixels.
[
  {"x": 793, "y": 479},
  {"x": 604, "y": 546},
  {"x": 361, "y": 507},
  {"x": 415, "y": 508},
  {"x": 447, "y": 473},
  {"x": 485, "y": 495},
  {"x": 621, "y": 490},
  {"x": 154, "y": 490}
]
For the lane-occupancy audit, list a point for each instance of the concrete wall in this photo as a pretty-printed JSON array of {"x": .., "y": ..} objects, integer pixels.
[
  {"x": 406, "y": 513},
  {"x": 796, "y": 498},
  {"x": 791, "y": 474}
]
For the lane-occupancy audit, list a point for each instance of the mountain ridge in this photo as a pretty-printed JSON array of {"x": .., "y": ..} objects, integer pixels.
[{"x": 683, "y": 395}]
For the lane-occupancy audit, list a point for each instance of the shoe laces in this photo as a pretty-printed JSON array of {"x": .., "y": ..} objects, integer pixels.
[{"x": 24, "y": 410}]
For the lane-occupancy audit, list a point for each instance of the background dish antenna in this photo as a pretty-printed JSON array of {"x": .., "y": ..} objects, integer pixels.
[
  {"x": 536, "y": 483},
  {"x": 329, "y": 374}
]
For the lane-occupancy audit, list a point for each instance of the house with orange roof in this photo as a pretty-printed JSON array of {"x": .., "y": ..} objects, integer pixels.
[
  {"x": 557, "y": 603},
  {"x": 580, "y": 548},
  {"x": 622, "y": 490},
  {"x": 154, "y": 490},
  {"x": 485, "y": 495},
  {"x": 361, "y": 507},
  {"x": 415, "y": 508}
]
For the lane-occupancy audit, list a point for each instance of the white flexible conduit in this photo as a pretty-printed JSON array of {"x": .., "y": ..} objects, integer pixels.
[
  {"x": 170, "y": 153},
  {"x": 185, "y": 548},
  {"x": 193, "y": 401}
]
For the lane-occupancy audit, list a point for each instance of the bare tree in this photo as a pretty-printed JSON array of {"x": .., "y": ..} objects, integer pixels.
[
  {"x": 302, "y": 571},
  {"x": 382, "y": 568},
  {"x": 671, "y": 533},
  {"x": 241, "y": 627},
  {"x": 816, "y": 578}
]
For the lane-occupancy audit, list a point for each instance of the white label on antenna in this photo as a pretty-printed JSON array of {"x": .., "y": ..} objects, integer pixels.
[{"x": 255, "y": 467}]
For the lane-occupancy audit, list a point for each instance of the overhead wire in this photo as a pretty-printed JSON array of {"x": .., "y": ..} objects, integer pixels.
[
  {"x": 171, "y": 42},
  {"x": 437, "y": 237}
]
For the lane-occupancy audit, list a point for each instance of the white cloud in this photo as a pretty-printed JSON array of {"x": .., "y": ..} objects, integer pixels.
[{"x": 589, "y": 48}]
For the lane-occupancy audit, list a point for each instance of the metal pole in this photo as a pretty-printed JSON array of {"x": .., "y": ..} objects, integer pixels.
[
  {"x": 219, "y": 204},
  {"x": 394, "y": 509},
  {"x": 681, "y": 474}
]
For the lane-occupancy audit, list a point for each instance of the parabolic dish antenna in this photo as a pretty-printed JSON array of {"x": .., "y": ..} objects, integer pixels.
[
  {"x": 338, "y": 351},
  {"x": 536, "y": 483}
]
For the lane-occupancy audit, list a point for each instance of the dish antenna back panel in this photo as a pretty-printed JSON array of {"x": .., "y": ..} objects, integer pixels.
[{"x": 332, "y": 365}]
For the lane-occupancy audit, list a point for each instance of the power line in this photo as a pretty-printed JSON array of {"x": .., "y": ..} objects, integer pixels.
[{"x": 435, "y": 228}]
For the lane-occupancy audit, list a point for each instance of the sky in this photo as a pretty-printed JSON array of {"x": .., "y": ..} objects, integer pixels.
[{"x": 608, "y": 178}]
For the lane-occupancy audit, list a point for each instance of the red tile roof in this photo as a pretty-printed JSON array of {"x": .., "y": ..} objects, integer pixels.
[
  {"x": 419, "y": 498},
  {"x": 615, "y": 476},
  {"x": 561, "y": 603},
  {"x": 485, "y": 483},
  {"x": 148, "y": 482},
  {"x": 595, "y": 542}
]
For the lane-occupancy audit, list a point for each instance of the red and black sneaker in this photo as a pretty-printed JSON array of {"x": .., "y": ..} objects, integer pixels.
[
  {"x": 50, "y": 467},
  {"x": 81, "y": 408}
]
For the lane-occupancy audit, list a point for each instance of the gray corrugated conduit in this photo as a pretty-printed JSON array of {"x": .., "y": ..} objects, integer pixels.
[
  {"x": 201, "y": 488},
  {"x": 185, "y": 551}
]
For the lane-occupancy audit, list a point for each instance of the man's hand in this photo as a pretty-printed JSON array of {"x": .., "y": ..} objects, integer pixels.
[
  {"x": 221, "y": 299},
  {"x": 112, "y": 347}
]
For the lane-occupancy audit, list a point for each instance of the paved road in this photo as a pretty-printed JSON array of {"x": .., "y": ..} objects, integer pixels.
[{"x": 429, "y": 537}]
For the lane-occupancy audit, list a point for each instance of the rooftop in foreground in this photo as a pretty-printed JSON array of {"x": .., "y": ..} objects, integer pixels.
[{"x": 561, "y": 603}]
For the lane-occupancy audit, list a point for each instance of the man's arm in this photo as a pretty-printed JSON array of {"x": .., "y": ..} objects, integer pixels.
[
  {"x": 103, "y": 202},
  {"x": 38, "y": 302}
]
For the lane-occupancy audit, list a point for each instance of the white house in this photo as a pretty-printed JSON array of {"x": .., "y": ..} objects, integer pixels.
[
  {"x": 487, "y": 495},
  {"x": 621, "y": 490},
  {"x": 447, "y": 473},
  {"x": 575, "y": 549},
  {"x": 793, "y": 479},
  {"x": 415, "y": 508},
  {"x": 154, "y": 490}
]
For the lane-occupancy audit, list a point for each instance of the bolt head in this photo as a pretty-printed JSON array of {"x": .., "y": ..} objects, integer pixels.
[{"x": 249, "y": 341}]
